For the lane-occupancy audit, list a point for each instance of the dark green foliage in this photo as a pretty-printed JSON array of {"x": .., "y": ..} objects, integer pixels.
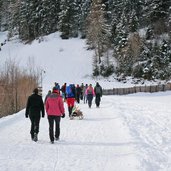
[
  {"x": 96, "y": 71},
  {"x": 0, "y": 14},
  {"x": 108, "y": 25},
  {"x": 106, "y": 71}
]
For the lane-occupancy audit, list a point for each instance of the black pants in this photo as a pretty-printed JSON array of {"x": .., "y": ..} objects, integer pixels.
[
  {"x": 51, "y": 120},
  {"x": 89, "y": 99},
  {"x": 35, "y": 120},
  {"x": 78, "y": 98},
  {"x": 97, "y": 100},
  {"x": 70, "y": 110}
]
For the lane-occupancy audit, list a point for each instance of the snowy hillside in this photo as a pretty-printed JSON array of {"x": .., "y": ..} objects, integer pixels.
[
  {"x": 62, "y": 60},
  {"x": 127, "y": 133}
]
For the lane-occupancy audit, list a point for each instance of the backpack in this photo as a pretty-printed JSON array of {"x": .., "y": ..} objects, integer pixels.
[
  {"x": 90, "y": 91},
  {"x": 69, "y": 92},
  {"x": 98, "y": 90}
]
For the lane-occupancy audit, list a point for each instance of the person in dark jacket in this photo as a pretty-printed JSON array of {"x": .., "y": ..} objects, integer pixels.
[
  {"x": 78, "y": 93},
  {"x": 82, "y": 88},
  {"x": 98, "y": 94},
  {"x": 63, "y": 89},
  {"x": 34, "y": 109}
]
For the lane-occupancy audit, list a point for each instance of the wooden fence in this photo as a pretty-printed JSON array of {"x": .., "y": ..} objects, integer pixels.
[{"x": 136, "y": 89}]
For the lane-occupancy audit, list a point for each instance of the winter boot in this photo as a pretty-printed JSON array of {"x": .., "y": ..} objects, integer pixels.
[
  {"x": 70, "y": 111},
  {"x": 57, "y": 138},
  {"x": 35, "y": 137},
  {"x": 32, "y": 136}
]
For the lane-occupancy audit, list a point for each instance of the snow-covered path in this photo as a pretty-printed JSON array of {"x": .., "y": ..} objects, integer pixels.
[
  {"x": 127, "y": 133},
  {"x": 100, "y": 142}
]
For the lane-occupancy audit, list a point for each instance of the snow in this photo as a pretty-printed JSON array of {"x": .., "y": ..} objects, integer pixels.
[{"x": 127, "y": 133}]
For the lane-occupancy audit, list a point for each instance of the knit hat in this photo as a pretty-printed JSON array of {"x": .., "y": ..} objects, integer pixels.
[{"x": 55, "y": 90}]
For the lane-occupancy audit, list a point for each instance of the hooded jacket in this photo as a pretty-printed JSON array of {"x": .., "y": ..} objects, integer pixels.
[
  {"x": 54, "y": 105},
  {"x": 35, "y": 106}
]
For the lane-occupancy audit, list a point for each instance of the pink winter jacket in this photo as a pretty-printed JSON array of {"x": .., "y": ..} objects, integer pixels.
[
  {"x": 90, "y": 90},
  {"x": 55, "y": 105}
]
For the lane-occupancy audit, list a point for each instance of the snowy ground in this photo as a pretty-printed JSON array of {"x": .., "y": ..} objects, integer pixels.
[{"x": 127, "y": 133}]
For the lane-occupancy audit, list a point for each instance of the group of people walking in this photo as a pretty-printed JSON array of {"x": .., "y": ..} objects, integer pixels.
[{"x": 54, "y": 105}]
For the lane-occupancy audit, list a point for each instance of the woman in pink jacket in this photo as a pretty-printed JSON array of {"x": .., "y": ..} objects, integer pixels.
[
  {"x": 55, "y": 110},
  {"x": 90, "y": 94}
]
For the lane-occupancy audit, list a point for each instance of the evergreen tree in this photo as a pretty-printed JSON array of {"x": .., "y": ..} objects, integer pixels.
[
  {"x": 84, "y": 11},
  {"x": 158, "y": 9},
  {"x": 0, "y": 14},
  {"x": 24, "y": 19},
  {"x": 49, "y": 16},
  {"x": 14, "y": 12},
  {"x": 5, "y": 14},
  {"x": 30, "y": 19},
  {"x": 74, "y": 20},
  {"x": 63, "y": 25},
  {"x": 69, "y": 18}
]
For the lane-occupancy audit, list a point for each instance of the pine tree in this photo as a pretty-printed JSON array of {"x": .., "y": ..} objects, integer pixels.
[
  {"x": 63, "y": 25},
  {"x": 69, "y": 18},
  {"x": 30, "y": 19},
  {"x": 84, "y": 10},
  {"x": 0, "y": 14},
  {"x": 5, "y": 14},
  {"x": 49, "y": 16},
  {"x": 14, "y": 12},
  {"x": 24, "y": 19},
  {"x": 74, "y": 17},
  {"x": 158, "y": 9}
]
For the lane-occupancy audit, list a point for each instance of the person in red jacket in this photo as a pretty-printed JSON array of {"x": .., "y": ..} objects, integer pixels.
[{"x": 55, "y": 110}]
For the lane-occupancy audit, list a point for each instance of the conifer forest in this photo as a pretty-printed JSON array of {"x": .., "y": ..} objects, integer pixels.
[{"x": 129, "y": 37}]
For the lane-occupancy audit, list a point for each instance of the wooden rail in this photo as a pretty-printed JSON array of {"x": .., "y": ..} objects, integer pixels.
[{"x": 136, "y": 89}]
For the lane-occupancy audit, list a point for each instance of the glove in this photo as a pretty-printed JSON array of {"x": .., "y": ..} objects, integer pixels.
[{"x": 63, "y": 115}]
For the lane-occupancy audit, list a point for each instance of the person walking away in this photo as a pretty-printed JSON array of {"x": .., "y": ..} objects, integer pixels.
[
  {"x": 70, "y": 95},
  {"x": 55, "y": 110},
  {"x": 82, "y": 88},
  {"x": 98, "y": 94},
  {"x": 57, "y": 86},
  {"x": 84, "y": 93},
  {"x": 78, "y": 93},
  {"x": 48, "y": 94},
  {"x": 63, "y": 89},
  {"x": 90, "y": 93},
  {"x": 34, "y": 109}
]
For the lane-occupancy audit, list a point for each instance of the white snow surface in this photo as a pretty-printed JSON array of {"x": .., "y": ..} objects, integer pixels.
[{"x": 127, "y": 133}]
